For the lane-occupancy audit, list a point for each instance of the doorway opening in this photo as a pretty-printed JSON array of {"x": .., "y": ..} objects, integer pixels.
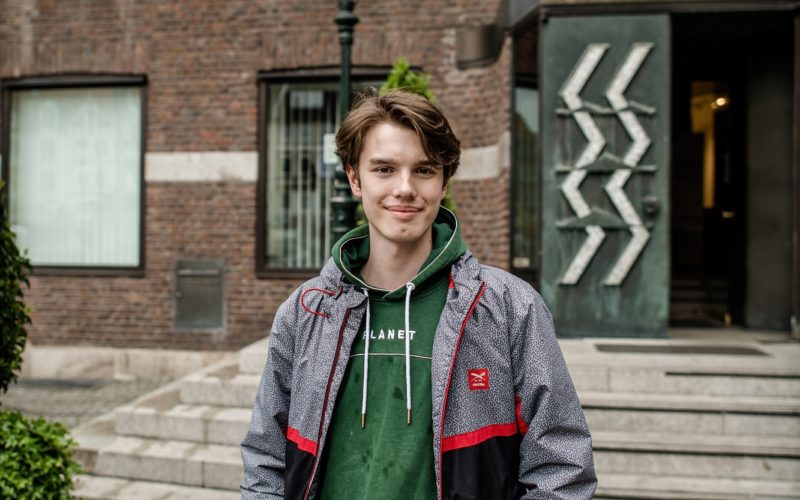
[{"x": 713, "y": 109}]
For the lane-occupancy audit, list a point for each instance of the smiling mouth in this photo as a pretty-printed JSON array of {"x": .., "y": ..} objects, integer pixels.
[
  {"x": 403, "y": 209},
  {"x": 403, "y": 213}
]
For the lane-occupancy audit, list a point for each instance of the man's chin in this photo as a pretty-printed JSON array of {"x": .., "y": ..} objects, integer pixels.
[{"x": 408, "y": 236}]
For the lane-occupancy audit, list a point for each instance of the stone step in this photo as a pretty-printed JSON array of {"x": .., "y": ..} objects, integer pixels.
[
  {"x": 662, "y": 487},
  {"x": 111, "y": 488},
  {"x": 685, "y": 380},
  {"x": 691, "y": 414},
  {"x": 775, "y": 446},
  {"x": 223, "y": 387},
  {"x": 744, "y": 457},
  {"x": 164, "y": 416},
  {"x": 253, "y": 357},
  {"x": 691, "y": 402},
  {"x": 168, "y": 461}
]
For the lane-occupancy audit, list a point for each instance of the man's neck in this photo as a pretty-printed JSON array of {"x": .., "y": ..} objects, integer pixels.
[{"x": 391, "y": 266}]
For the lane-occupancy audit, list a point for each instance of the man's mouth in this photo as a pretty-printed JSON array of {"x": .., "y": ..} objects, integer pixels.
[
  {"x": 404, "y": 209},
  {"x": 405, "y": 213}
]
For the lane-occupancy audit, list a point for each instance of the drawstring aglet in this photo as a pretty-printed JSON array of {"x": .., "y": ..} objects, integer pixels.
[
  {"x": 409, "y": 417},
  {"x": 363, "y": 420}
]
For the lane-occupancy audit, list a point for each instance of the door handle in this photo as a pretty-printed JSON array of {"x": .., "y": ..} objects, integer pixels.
[{"x": 651, "y": 204}]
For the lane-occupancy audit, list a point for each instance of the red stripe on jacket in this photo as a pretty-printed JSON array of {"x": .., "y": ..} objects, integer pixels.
[
  {"x": 302, "y": 443},
  {"x": 467, "y": 439},
  {"x": 523, "y": 426}
]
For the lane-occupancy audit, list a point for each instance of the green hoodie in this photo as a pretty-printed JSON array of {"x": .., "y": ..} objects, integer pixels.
[{"x": 389, "y": 458}]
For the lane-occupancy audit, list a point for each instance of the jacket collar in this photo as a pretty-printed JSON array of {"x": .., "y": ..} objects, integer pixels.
[{"x": 465, "y": 272}]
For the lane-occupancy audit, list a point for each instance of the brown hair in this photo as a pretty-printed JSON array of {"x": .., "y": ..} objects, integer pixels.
[{"x": 402, "y": 108}]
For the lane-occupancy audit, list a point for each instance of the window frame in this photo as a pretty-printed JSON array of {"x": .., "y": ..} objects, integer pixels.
[
  {"x": 326, "y": 74},
  {"x": 71, "y": 81},
  {"x": 531, "y": 274}
]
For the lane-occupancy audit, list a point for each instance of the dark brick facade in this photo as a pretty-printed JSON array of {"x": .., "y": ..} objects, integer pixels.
[
  {"x": 201, "y": 60},
  {"x": 185, "y": 221},
  {"x": 483, "y": 207}
]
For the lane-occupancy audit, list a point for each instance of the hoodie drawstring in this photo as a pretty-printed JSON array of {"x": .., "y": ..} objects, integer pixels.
[
  {"x": 366, "y": 369},
  {"x": 409, "y": 288}
]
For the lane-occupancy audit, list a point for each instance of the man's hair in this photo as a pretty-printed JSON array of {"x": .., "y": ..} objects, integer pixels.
[{"x": 405, "y": 109}]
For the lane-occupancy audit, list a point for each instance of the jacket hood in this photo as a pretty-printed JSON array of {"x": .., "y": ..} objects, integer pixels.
[{"x": 350, "y": 253}]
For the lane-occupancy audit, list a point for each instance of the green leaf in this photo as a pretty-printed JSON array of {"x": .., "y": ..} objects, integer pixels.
[{"x": 403, "y": 77}]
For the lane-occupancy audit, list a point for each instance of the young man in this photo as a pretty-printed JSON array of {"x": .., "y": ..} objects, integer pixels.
[{"x": 407, "y": 369}]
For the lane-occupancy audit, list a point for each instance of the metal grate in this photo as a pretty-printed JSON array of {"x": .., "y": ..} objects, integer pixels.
[{"x": 199, "y": 295}]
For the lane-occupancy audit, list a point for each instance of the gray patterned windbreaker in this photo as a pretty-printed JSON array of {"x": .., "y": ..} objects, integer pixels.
[{"x": 518, "y": 432}]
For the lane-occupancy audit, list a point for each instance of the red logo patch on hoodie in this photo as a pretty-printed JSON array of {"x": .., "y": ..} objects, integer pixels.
[{"x": 478, "y": 379}]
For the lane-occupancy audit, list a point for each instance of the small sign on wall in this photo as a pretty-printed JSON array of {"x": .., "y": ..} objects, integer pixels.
[
  {"x": 199, "y": 295},
  {"x": 329, "y": 149}
]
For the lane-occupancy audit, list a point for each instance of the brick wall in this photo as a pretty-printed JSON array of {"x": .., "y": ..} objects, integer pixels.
[
  {"x": 201, "y": 59},
  {"x": 184, "y": 221},
  {"x": 483, "y": 206}
]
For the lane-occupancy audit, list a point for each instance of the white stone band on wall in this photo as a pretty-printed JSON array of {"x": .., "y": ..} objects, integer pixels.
[
  {"x": 203, "y": 166},
  {"x": 485, "y": 162},
  {"x": 242, "y": 166}
]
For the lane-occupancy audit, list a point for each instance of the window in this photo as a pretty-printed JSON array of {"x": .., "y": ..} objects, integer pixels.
[
  {"x": 300, "y": 118},
  {"x": 74, "y": 171},
  {"x": 525, "y": 172},
  {"x": 525, "y": 186},
  {"x": 299, "y": 177}
]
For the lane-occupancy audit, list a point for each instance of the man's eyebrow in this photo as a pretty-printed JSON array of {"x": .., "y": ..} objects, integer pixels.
[
  {"x": 383, "y": 161},
  {"x": 391, "y": 161},
  {"x": 427, "y": 163}
]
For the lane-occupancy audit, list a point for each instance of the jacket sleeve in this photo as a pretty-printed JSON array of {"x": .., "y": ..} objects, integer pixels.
[
  {"x": 556, "y": 449},
  {"x": 264, "y": 446}
]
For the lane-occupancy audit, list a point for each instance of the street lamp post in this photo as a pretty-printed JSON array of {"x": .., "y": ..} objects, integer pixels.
[{"x": 342, "y": 202}]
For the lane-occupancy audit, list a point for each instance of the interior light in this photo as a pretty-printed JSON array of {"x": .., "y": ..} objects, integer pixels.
[{"x": 721, "y": 101}]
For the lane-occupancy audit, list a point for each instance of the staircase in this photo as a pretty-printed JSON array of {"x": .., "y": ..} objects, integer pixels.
[
  {"x": 669, "y": 419},
  {"x": 698, "y": 301},
  {"x": 669, "y": 423},
  {"x": 179, "y": 442}
]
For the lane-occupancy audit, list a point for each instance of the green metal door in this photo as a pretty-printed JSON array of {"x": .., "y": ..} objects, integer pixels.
[{"x": 605, "y": 174}]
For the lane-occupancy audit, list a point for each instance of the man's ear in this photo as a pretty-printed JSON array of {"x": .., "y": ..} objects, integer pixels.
[{"x": 355, "y": 184}]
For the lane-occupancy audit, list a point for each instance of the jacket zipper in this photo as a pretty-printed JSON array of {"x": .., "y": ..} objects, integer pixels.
[
  {"x": 447, "y": 386},
  {"x": 325, "y": 402}
]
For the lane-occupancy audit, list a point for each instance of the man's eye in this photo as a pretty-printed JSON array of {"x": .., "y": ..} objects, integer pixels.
[
  {"x": 426, "y": 171},
  {"x": 383, "y": 170}
]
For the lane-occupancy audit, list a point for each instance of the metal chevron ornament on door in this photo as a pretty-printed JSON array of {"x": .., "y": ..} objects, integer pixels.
[
  {"x": 582, "y": 112},
  {"x": 605, "y": 93}
]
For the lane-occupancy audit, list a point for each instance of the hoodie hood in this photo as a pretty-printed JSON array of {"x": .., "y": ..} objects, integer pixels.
[{"x": 351, "y": 252}]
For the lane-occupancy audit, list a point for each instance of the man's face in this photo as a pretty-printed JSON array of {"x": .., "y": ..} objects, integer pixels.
[{"x": 399, "y": 187}]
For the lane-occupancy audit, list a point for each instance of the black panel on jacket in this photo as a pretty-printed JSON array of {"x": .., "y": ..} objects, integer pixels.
[
  {"x": 298, "y": 470},
  {"x": 488, "y": 470}
]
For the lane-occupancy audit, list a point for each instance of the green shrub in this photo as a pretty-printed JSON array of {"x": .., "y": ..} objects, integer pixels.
[
  {"x": 35, "y": 458},
  {"x": 35, "y": 455},
  {"x": 13, "y": 314},
  {"x": 403, "y": 77}
]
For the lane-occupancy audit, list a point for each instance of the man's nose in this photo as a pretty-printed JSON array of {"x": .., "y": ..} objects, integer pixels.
[{"x": 405, "y": 186}]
